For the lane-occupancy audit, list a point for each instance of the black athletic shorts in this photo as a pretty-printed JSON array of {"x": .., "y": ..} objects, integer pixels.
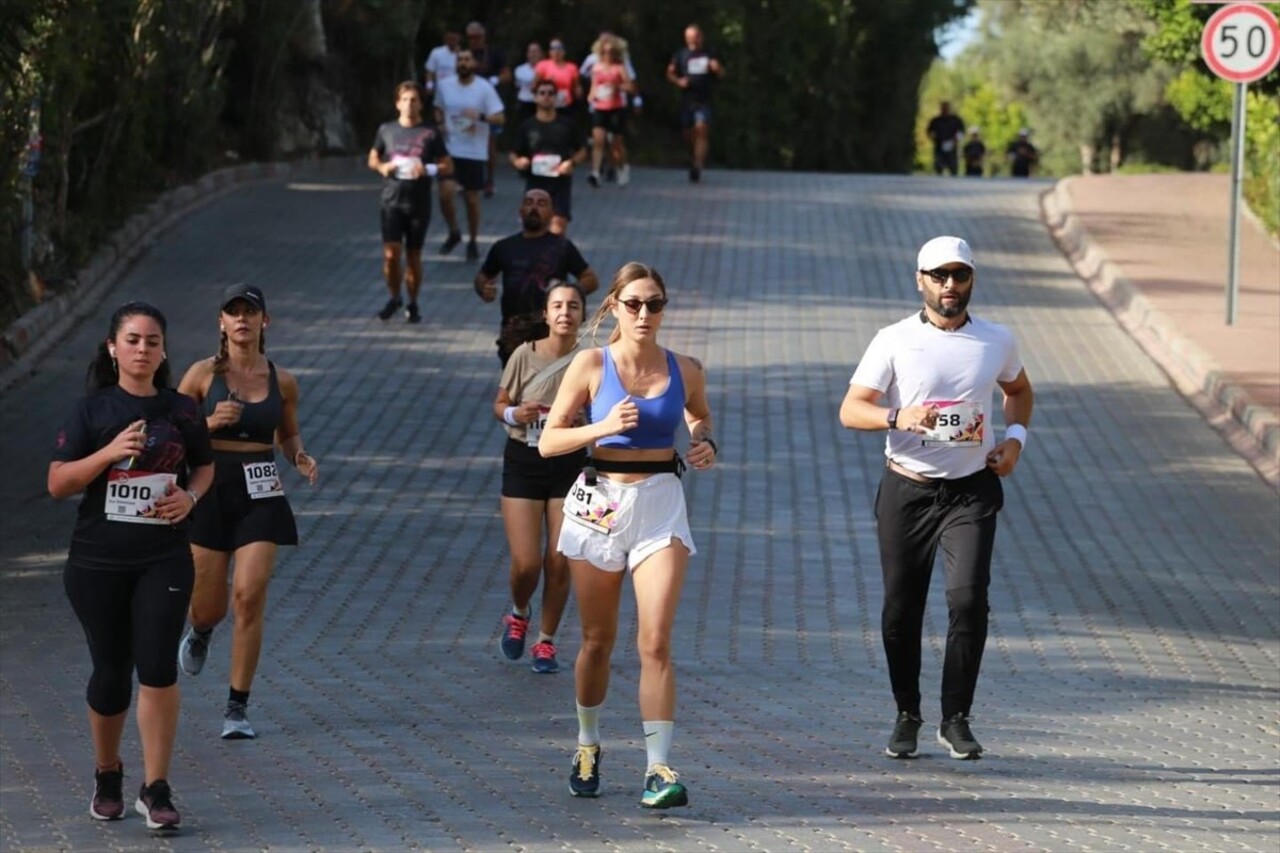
[
  {"x": 526, "y": 474},
  {"x": 407, "y": 226},
  {"x": 227, "y": 517},
  {"x": 613, "y": 121},
  {"x": 560, "y": 190},
  {"x": 469, "y": 173}
]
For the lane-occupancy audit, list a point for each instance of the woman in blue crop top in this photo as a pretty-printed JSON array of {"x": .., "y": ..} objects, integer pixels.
[
  {"x": 628, "y": 512},
  {"x": 250, "y": 406}
]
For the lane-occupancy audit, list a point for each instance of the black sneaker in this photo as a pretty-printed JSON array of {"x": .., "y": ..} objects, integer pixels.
[
  {"x": 662, "y": 790},
  {"x": 903, "y": 742},
  {"x": 450, "y": 242},
  {"x": 108, "y": 794},
  {"x": 411, "y": 313},
  {"x": 392, "y": 306},
  {"x": 594, "y": 179},
  {"x": 155, "y": 803},
  {"x": 473, "y": 251},
  {"x": 584, "y": 778},
  {"x": 695, "y": 174},
  {"x": 955, "y": 735}
]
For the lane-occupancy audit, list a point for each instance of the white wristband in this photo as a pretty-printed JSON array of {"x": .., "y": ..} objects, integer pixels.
[
  {"x": 1017, "y": 432},
  {"x": 509, "y": 416},
  {"x": 637, "y": 101},
  {"x": 431, "y": 169}
]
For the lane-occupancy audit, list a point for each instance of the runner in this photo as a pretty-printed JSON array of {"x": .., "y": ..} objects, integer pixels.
[
  {"x": 533, "y": 488},
  {"x": 468, "y": 107},
  {"x": 610, "y": 84},
  {"x": 250, "y": 406},
  {"x": 628, "y": 512},
  {"x": 693, "y": 69},
  {"x": 139, "y": 451},
  {"x": 441, "y": 62},
  {"x": 407, "y": 153},
  {"x": 525, "y": 76},
  {"x": 929, "y": 380},
  {"x": 545, "y": 150},
  {"x": 564, "y": 75}
]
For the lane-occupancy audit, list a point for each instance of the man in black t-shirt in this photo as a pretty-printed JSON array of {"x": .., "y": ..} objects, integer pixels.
[
  {"x": 693, "y": 68},
  {"x": 545, "y": 150},
  {"x": 407, "y": 153},
  {"x": 946, "y": 129},
  {"x": 975, "y": 154},
  {"x": 1022, "y": 155},
  {"x": 529, "y": 262}
]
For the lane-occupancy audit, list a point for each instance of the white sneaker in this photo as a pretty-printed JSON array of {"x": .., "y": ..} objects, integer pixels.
[{"x": 624, "y": 175}]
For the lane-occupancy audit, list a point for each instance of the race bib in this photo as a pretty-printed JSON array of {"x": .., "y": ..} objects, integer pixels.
[
  {"x": 947, "y": 144},
  {"x": 262, "y": 480},
  {"x": 960, "y": 424},
  {"x": 459, "y": 123},
  {"x": 406, "y": 167},
  {"x": 562, "y": 98},
  {"x": 590, "y": 507},
  {"x": 698, "y": 65},
  {"x": 545, "y": 165},
  {"x": 604, "y": 92},
  {"x": 132, "y": 495},
  {"x": 533, "y": 431}
]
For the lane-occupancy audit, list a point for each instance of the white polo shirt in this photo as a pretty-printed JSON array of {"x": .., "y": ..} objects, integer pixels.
[{"x": 914, "y": 363}]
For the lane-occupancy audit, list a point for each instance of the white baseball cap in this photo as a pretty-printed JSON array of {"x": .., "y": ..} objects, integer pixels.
[{"x": 944, "y": 250}]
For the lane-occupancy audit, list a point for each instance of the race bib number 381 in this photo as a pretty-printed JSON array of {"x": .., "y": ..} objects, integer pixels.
[
  {"x": 960, "y": 424},
  {"x": 132, "y": 495},
  {"x": 591, "y": 508},
  {"x": 262, "y": 480}
]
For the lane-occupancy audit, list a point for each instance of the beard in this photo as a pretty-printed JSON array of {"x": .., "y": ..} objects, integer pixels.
[
  {"x": 955, "y": 309},
  {"x": 532, "y": 222}
]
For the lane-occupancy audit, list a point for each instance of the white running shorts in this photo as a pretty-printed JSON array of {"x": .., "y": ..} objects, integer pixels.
[{"x": 647, "y": 516}]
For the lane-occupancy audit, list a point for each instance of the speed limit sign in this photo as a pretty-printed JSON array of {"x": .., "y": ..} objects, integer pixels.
[{"x": 1241, "y": 42}]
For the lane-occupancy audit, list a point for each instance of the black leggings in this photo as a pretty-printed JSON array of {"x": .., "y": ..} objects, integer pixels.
[
  {"x": 130, "y": 619},
  {"x": 912, "y": 520}
]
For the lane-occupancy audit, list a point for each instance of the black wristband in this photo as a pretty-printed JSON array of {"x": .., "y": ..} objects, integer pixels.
[
  {"x": 711, "y": 441},
  {"x": 893, "y": 419}
]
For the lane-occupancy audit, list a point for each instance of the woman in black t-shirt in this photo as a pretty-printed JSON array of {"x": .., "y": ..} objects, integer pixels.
[{"x": 140, "y": 453}]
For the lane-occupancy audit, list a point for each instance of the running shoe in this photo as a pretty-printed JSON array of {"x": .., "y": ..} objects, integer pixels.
[
  {"x": 392, "y": 306},
  {"x": 662, "y": 790},
  {"x": 108, "y": 794},
  {"x": 512, "y": 642},
  {"x": 155, "y": 803},
  {"x": 624, "y": 175},
  {"x": 903, "y": 743},
  {"x": 955, "y": 735},
  {"x": 235, "y": 722},
  {"x": 193, "y": 651},
  {"x": 412, "y": 314},
  {"x": 695, "y": 174},
  {"x": 584, "y": 777},
  {"x": 610, "y": 173},
  {"x": 488, "y": 189},
  {"x": 450, "y": 242},
  {"x": 544, "y": 658},
  {"x": 594, "y": 179},
  {"x": 473, "y": 251}
]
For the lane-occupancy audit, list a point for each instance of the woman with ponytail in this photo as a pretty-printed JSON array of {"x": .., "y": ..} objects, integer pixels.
[
  {"x": 139, "y": 451},
  {"x": 627, "y": 512},
  {"x": 251, "y": 406}
]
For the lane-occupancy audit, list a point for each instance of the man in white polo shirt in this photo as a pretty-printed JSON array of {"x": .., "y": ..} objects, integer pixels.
[
  {"x": 467, "y": 105},
  {"x": 930, "y": 380}
]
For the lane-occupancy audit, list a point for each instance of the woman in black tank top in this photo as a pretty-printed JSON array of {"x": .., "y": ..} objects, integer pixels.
[{"x": 251, "y": 406}]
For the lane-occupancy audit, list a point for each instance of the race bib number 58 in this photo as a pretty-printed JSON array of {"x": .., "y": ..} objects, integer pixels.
[{"x": 960, "y": 424}]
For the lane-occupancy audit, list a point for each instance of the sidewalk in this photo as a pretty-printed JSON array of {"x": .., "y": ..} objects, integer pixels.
[{"x": 1154, "y": 250}]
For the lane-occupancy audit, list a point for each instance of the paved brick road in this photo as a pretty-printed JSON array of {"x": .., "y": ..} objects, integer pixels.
[{"x": 1129, "y": 698}]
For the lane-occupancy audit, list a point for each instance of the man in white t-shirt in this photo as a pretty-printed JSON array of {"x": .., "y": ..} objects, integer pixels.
[
  {"x": 930, "y": 380},
  {"x": 441, "y": 62},
  {"x": 466, "y": 105}
]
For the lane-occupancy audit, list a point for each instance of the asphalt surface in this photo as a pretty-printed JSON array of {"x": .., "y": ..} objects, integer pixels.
[{"x": 1129, "y": 698}]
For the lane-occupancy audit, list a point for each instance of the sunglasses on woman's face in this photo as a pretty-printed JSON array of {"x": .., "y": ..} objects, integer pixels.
[
  {"x": 940, "y": 275},
  {"x": 654, "y": 305}
]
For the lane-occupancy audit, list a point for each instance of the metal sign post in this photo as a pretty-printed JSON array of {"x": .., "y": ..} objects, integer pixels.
[{"x": 1240, "y": 43}]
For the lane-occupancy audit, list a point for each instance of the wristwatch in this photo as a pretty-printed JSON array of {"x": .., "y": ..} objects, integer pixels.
[{"x": 893, "y": 419}]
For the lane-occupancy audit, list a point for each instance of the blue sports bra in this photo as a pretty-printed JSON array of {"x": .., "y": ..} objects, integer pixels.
[
  {"x": 258, "y": 421},
  {"x": 659, "y": 416}
]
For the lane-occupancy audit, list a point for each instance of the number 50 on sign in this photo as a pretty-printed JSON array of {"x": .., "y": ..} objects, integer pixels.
[{"x": 1241, "y": 42}]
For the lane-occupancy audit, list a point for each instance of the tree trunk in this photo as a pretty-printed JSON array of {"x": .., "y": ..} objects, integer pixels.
[{"x": 1087, "y": 151}]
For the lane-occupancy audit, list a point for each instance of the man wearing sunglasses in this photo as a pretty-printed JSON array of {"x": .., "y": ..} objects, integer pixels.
[
  {"x": 930, "y": 380},
  {"x": 545, "y": 150},
  {"x": 529, "y": 262}
]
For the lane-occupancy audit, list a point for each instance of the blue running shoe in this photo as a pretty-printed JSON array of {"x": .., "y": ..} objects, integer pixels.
[
  {"x": 662, "y": 790},
  {"x": 544, "y": 658},
  {"x": 584, "y": 778},
  {"x": 513, "y": 635}
]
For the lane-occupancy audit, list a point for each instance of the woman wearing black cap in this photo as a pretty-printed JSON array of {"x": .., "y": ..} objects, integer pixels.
[{"x": 250, "y": 406}]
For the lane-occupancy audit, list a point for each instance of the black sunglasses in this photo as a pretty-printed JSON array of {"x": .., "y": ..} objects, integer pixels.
[
  {"x": 940, "y": 276},
  {"x": 655, "y": 305},
  {"x": 547, "y": 93}
]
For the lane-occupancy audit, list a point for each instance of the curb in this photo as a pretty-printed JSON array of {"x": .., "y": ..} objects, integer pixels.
[
  {"x": 29, "y": 338},
  {"x": 1252, "y": 431}
]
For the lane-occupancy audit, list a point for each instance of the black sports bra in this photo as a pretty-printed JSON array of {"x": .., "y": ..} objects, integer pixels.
[{"x": 258, "y": 421}]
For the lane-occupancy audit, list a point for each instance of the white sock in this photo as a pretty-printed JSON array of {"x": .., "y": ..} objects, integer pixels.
[
  {"x": 589, "y": 725},
  {"x": 523, "y": 614},
  {"x": 544, "y": 637},
  {"x": 657, "y": 740}
]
